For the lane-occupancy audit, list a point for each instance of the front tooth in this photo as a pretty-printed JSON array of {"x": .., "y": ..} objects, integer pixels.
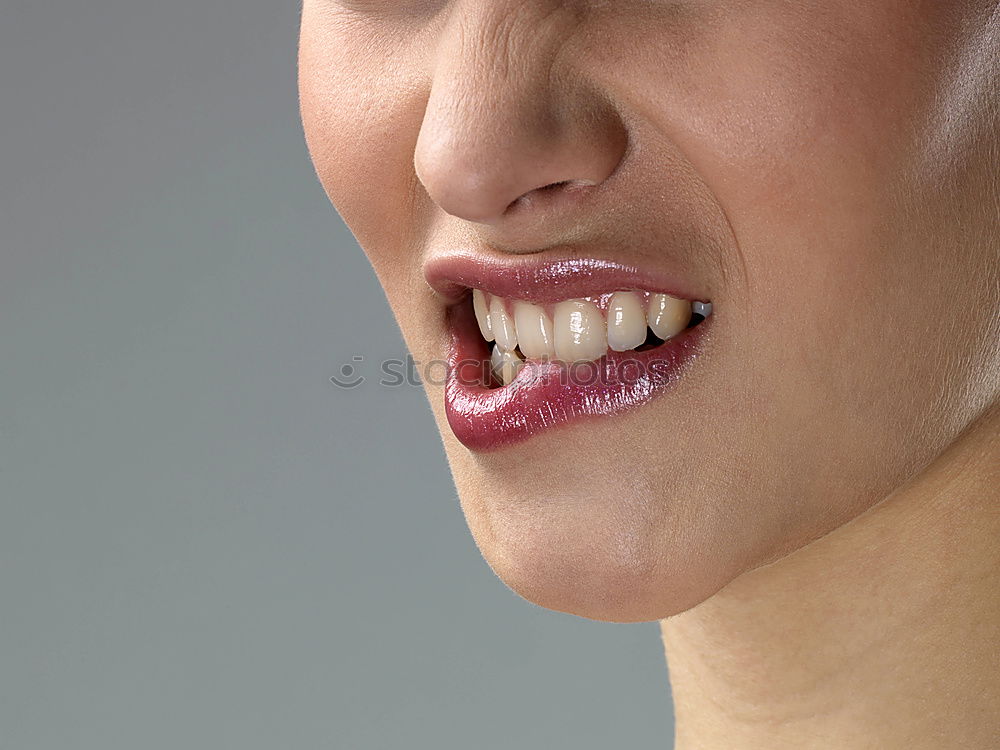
[
  {"x": 580, "y": 332},
  {"x": 534, "y": 331},
  {"x": 626, "y": 322},
  {"x": 503, "y": 325},
  {"x": 505, "y": 365},
  {"x": 482, "y": 314},
  {"x": 668, "y": 315}
]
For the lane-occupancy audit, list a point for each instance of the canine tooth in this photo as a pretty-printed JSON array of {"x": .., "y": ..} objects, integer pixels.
[
  {"x": 580, "y": 333},
  {"x": 534, "y": 331},
  {"x": 704, "y": 309},
  {"x": 626, "y": 322},
  {"x": 503, "y": 325},
  {"x": 505, "y": 365},
  {"x": 482, "y": 314},
  {"x": 668, "y": 315}
]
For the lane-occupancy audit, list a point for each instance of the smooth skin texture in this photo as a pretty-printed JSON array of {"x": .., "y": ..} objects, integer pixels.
[{"x": 813, "y": 512}]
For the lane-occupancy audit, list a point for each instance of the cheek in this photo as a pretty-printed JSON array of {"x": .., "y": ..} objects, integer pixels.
[
  {"x": 806, "y": 125},
  {"x": 794, "y": 119},
  {"x": 362, "y": 100},
  {"x": 360, "y": 117}
]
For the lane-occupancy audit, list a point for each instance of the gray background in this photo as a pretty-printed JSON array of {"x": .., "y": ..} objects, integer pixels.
[{"x": 203, "y": 543}]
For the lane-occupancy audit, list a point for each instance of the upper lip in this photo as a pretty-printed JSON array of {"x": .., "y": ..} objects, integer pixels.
[{"x": 557, "y": 275}]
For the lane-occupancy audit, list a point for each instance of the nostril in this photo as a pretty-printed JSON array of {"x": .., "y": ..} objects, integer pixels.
[
  {"x": 569, "y": 185},
  {"x": 550, "y": 192}
]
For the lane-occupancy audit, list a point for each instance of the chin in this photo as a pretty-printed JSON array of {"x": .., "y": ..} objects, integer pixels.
[
  {"x": 566, "y": 526},
  {"x": 586, "y": 557}
]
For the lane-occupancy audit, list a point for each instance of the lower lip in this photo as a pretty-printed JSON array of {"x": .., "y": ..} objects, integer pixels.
[{"x": 545, "y": 395}]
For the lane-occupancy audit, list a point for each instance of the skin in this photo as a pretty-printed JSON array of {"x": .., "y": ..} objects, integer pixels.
[{"x": 814, "y": 508}]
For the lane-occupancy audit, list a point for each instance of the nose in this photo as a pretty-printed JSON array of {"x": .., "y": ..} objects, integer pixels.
[{"x": 508, "y": 114}]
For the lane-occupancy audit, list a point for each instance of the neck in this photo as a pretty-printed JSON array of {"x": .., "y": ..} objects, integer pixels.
[{"x": 883, "y": 633}]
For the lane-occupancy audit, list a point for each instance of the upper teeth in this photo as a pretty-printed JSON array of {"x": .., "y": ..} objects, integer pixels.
[{"x": 576, "y": 330}]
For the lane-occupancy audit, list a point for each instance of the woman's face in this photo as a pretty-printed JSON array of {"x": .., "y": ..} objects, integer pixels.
[{"x": 824, "y": 173}]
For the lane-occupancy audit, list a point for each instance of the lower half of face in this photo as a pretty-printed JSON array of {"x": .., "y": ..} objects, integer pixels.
[{"x": 840, "y": 177}]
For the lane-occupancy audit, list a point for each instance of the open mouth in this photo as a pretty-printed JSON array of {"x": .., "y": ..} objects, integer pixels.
[
  {"x": 536, "y": 344},
  {"x": 578, "y": 330}
]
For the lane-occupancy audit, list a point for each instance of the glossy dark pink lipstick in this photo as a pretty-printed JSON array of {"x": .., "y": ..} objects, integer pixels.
[{"x": 545, "y": 394}]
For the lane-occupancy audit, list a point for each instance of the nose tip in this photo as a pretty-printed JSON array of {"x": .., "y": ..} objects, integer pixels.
[{"x": 477, "y": 174}]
